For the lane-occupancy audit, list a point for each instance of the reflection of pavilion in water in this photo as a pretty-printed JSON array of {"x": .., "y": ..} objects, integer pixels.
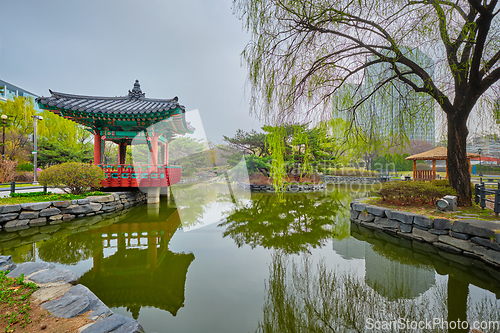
[
  {"x": 390, "y": 278},
  {"x": 142, "y": 271}
]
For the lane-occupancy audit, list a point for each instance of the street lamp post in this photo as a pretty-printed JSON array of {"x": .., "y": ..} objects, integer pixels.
[
  {"x": 35, "y": 118},
  {"x": 4, "y": 121}
]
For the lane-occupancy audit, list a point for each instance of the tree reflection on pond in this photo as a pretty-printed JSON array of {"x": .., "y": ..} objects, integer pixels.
[{"x": 292, "y": 223}]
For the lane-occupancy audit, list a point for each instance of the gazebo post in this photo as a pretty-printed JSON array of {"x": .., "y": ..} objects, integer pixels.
[
  {"x": 97, "y": 147},
  {"x": 470, "y": 166},
  {"x": 434, "y": 169},
  {"x": 414, "y": 170},
  {"x": 446, "y": 168}
]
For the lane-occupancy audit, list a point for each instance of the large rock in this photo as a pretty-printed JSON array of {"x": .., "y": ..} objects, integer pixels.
[
  {"x": 405, "y": 227},
  {"x": 459, "y": 226},
  {"x": 50, "y": 212},
  {"x": 10, "y": 209},
  {"x": 28, "y": 268},
  {"x": 78, "y": 300},
  {"x": 447, "y": 247},
  {"x": 16, "y": 225},
  {"x": 423, "y": 221},
  {"x": 38, "y": 222},
  {"x": 6, "y": 263},
  {"x": 82, "y": 209},
  {"x": 485, "y": 229},
  {"x": 425, "y": 235},
  {"x": 61, "y": 204},
  {"x": 365, "y": 217},
  {"x": 358, "y": 206},
  {"x": 493, "y": 257},
  {"x": 35, "y": 205},
  {"x": 55, "y": 275},
  {"x": 403, "y": 217},
  {"x": 486, "y": 242},
  {"x": 30, "y": 215},
  {"x": 442, "y": 224},
  {"x": 51, "y": 291},
  {"x": 377, "y": 211},
  {"x": 386, "y": 223},
  {"x": 115, "y": 323},
  {"x": 458, "y": 243},
  {"x": 8, "y": 217}
]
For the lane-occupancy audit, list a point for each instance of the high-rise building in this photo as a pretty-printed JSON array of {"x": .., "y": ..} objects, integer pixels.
[{"x": 395, "y": 109}]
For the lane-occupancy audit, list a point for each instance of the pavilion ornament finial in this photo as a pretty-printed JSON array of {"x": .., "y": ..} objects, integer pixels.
[{"x": 136, "y": 93}]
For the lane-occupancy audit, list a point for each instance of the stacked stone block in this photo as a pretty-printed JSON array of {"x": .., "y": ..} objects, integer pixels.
[
  {"x": 470, "y": 238},
  {"x": 15, "y": 218}
]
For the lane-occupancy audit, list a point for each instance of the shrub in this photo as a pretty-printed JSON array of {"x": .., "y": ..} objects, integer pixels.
[
  {"x": 24, "y": 177},
  {"x": 406, "y": 193},
  {"x": 7, "y": 170},
  {"x": 73, "y": 177},
  {"x": 25, "y": 167}
]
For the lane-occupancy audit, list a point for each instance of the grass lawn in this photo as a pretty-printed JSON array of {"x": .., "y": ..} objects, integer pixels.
[
  {"x": 472, "y": 212},
  {"x": 40, "y": 197}
]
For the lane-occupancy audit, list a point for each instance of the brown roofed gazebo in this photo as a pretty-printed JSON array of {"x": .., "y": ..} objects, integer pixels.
[{"x": 437, "y": 154}]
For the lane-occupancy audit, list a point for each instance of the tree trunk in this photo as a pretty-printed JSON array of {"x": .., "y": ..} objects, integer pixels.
[{"x": 458, "y": 168}]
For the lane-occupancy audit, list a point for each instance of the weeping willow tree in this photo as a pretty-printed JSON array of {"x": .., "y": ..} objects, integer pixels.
[{"x": 303, "y": 52}]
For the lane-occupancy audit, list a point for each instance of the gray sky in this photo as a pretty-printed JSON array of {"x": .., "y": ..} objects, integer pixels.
[{"x": 189, "y": 48}]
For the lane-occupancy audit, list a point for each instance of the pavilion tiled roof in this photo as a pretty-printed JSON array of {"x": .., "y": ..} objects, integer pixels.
[
  {"x": 134, "y": 103},
  {"x": 438, "y": 153}
]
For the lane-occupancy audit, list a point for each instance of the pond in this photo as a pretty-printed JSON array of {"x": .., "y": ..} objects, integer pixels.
[{"x": 214, "y": 258}]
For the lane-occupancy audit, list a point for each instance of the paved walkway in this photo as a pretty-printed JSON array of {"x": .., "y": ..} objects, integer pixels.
[{"x": 5, "y": 192}]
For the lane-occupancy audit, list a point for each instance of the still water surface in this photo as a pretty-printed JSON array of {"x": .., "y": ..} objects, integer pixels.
[{"x": 202, "y": 262}]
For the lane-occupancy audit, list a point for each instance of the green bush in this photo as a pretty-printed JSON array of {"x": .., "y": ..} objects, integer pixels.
[
  {"x": 25, "y": 167},
  {"x": 406, "y": 193},
  {"x": 73, "y": 177}
]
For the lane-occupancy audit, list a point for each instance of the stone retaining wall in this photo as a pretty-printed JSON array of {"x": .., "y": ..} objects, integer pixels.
[
  {"x": 350, "y": 179},
  {"x": 23, "y": 216},
  {"x": 288, "y": 188},
  {"x": 61, "y": 295},
  {"x": 452, "y": 239}
]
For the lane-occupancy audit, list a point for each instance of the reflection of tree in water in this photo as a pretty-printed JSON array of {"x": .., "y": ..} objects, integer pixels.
[
  {"x": 192, "y": 201},
  {"x": 303, "y": 298},
  {"x": 292, "y": 222},
  {"x": 69, "y": 249}
]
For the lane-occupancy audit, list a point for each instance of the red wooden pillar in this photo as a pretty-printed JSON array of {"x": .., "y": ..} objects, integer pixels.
[
  {"x": 165, "y": 161},
  {"x": 414, "y": 170},
  {"x": 154, "y": 150},
  {"x": 97, "y": 148}
]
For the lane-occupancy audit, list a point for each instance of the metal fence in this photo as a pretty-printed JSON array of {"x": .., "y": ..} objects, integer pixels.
[
  {"x": 480, "y": 193},
  {"x": 13, "y": 188}
]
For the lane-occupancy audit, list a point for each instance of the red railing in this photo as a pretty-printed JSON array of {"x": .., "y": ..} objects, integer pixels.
[
  {"x": 424, "y": 175},
  {"x": 125, "y": 175}
]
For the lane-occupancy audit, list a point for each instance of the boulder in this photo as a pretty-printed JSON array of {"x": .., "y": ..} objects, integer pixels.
[
  {"x": 423, "y": 221},
  {"x": 78, "y": 300},
  {"x": 442, "y": 224},
  {"x": 6, "y": 263},
  {"x": 458, "y": 243},
  {"x": 489, "y": 243},
  {"x": 459, "y": 235},
  {"x": 50, "y": 212},
  {"x": 493, "y": 257},
  {"x": 386, "y": 223},
  {"x": 485, "y": 229},
  {"x": 28, "y": 215},
  {"x": 10, "y": 209},
  {"x": 35, "y": 205},
  {"x": 358, "y": 206},
  {"x": 425, "y": 235},
  {"x": 377, "y": 211},
  {"x": 115, "y": 323},
  {"x": 38, "y": 222},
  {"x": 8, "y": 217},
  {"x": 403, "y": 217},
  {"x": 28, "y": 268},
  {"x": 55, "y": 275},
  {"x": 61, "y": 204},
  {"x": 365, "y": 217},
  {"x": 16, "y": 225},
  {"x": 405, "y": 227}
]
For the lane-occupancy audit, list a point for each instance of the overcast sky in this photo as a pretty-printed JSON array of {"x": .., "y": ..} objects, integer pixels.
[{"x": 189, "y": 48}]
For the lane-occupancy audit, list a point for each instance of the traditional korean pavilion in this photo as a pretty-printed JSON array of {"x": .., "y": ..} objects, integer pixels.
[{"x": 122, "y": 119}]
